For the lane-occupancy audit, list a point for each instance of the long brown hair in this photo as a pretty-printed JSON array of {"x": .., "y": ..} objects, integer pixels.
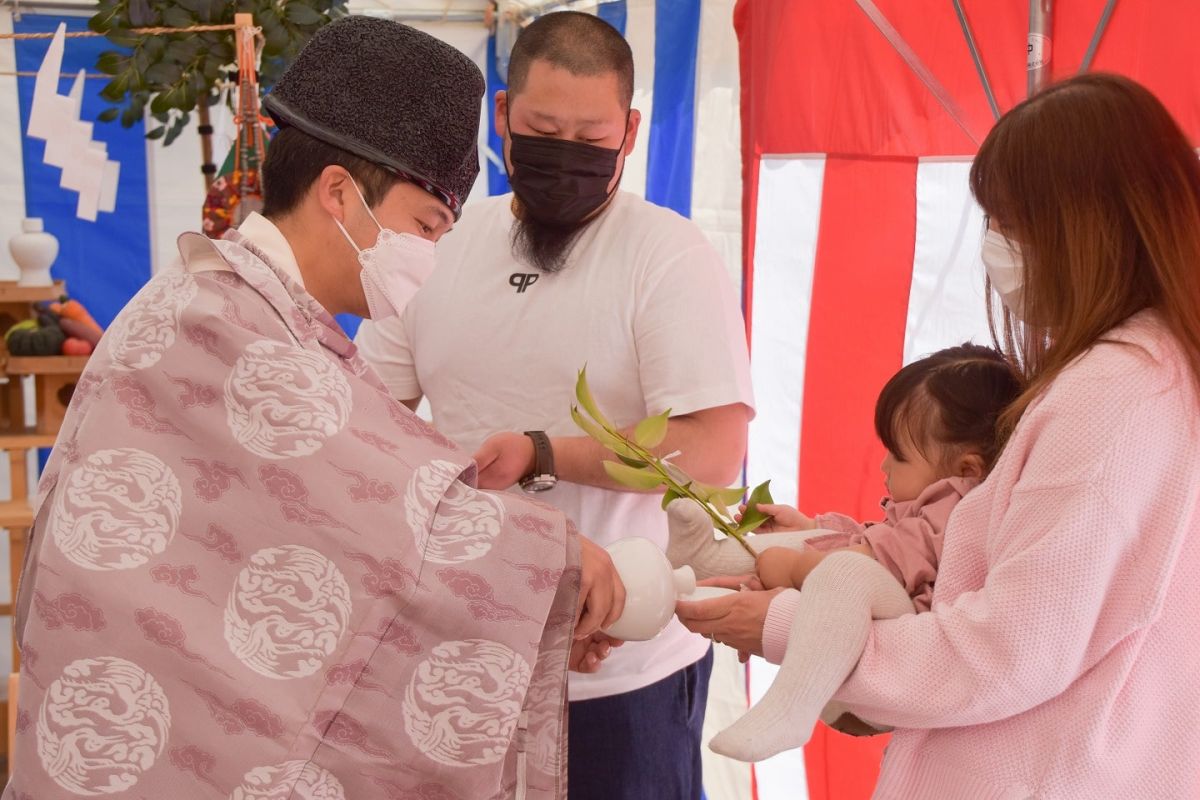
[{"x": 1101, "y": 189}]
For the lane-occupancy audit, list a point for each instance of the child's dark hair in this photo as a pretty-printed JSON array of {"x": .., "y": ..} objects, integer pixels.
[{"x": 953, "y": 397}]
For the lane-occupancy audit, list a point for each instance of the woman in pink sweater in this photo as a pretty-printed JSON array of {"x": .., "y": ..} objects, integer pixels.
[{"x": 1060, "y": 656}]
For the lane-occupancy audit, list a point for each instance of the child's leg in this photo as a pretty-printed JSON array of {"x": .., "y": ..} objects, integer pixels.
[
  {"x": 693, "y": 544},
  {"x": 839, "y": 600}
]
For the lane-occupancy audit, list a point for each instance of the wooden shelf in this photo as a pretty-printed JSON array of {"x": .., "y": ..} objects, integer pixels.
[
  {"x": 46, "y": 365},
  {"x": 26, "y": 439},
  {"x": 16, "y": 514},
  {"x": 10, "y": 292},
  {"x": 54, "y": 379}
]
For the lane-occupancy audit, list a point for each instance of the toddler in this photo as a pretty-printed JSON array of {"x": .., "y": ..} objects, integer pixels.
[{"x": 937, "y": 419}]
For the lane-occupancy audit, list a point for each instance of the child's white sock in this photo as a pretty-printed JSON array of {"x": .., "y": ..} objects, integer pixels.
[{"x": 837, "y": 603}]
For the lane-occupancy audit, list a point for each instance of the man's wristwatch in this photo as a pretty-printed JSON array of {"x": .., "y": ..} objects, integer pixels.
[{"x": 542, "y": 478}]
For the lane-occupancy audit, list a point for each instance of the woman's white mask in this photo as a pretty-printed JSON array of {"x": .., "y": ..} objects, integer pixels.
[
  {"x": 393, "y": 269},
  {"x": 1005, "y": 269}
]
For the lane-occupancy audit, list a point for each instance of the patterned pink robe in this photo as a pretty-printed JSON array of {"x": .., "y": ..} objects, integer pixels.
[{"x": 255, "y": 575}]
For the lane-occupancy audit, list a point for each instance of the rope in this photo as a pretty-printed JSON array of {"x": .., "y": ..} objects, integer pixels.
[
  {"x": 84, "y": 34},
  {"x": 143, "y": 31},
  {"x": 31, "y": 74}
]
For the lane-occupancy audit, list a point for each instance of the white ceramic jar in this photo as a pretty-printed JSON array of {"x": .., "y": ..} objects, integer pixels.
[
  {"x": 651, "y": 588},
  {"x": 34, "y": 250}
]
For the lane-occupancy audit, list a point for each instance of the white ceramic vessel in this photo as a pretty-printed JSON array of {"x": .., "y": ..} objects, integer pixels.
[
  {"x": 707, "y": 593},
  {"x": 651, "y": 588},
  {"x": 34, "y": 250}
]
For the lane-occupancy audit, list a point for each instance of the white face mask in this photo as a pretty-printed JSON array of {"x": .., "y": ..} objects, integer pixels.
[
  {"x": 393, "y": 269},
  {"x": 1005, "y": 269}
]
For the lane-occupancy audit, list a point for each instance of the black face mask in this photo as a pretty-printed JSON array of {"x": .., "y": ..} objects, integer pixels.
[{"x": 560, "y": 182}]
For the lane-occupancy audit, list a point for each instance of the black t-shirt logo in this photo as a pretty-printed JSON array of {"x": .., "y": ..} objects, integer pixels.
[{"x": 522, "y": 281}]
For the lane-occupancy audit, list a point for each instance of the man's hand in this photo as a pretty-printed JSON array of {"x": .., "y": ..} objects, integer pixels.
[
  {"x": 587, "y": 655},
  {"x": 504, "y": 459},
  {"x": 601, "y": 593}
]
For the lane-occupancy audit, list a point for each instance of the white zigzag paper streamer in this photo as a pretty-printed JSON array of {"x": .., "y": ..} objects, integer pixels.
[{"x": 55, "y": 118}]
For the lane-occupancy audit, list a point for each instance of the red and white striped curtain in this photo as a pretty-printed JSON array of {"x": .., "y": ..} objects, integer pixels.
[{"x": 861, "y": 239}]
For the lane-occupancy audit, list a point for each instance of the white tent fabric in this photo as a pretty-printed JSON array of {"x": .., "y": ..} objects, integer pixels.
[{"x": 12, "y": 173}]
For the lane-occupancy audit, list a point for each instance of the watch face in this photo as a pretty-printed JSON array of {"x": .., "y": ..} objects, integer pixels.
[{"x": 539, "y": 483}]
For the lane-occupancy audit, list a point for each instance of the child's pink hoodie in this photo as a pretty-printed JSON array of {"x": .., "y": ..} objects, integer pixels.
[{"x": 908, "y": 541}]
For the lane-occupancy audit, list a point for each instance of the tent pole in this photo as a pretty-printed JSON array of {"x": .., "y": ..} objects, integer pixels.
[
  {"x": 905, "y": 51},
  {"x": 1038, "y": 48},
  {"x": 1101, "y": 26},
  {"x": 983, "y": 78}
]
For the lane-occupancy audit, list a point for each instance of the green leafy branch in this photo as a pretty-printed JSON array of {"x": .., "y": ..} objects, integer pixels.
[
  {"x": 638, "y": 467},
  {"x": 177, "y": 73}
]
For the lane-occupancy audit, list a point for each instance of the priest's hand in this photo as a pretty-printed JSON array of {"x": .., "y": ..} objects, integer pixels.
[
  {"x": 601, "y": 593},
  {"x": 504, "y": 459},
  {"x": 587, "y": 655}
]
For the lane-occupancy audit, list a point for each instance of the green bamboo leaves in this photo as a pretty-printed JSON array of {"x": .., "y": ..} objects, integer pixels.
[
  {"x": 650, "y": 432},
  {"x": 753, "y": 518},
  {"x": 638, "y": 468},
  {"x": 644, "y": 479}
]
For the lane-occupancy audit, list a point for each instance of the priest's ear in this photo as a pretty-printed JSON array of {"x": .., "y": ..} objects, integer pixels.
[{"x": 334, "y": 192}]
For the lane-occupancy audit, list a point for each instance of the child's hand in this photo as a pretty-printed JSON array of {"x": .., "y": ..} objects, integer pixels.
[
  {"x": 780, "y": 566},
  {"x": 782, "y": 518}
]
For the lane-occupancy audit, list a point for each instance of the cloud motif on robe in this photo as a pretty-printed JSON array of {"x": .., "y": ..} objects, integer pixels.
[
  {"x": 462, "y": 706},
  {"x": 287, "y": 611},
  {"x": 101, "y": 725},
  {"x": 149, "y": 325},
  {"x": 547, "y": 742},
  {"x": 291, "y": 780},
  {"x": 284, "y": 402},
  {"x": 117, "y": 510},
  {"x": 452, "y": 522}
]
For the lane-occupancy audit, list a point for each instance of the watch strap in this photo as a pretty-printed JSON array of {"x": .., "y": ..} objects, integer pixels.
[{"x": 543, "y": 453}]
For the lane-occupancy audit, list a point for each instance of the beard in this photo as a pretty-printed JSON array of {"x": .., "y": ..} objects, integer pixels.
[{"x": 542, "y": 245}]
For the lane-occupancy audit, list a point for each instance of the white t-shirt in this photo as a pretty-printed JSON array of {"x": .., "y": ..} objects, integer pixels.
[{"x": 644, "y": 301}]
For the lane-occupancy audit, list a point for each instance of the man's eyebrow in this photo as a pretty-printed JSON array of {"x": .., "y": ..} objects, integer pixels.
[
  {"x": 553, "y": 120},
  {"x": 440, "y": 213},
  {"x": 544, "y": 117}
]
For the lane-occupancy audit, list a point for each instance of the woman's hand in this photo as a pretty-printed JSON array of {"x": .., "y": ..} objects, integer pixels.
[
  {"x": 735, "y": 620},
  {"x": 737, "y": 583}
]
